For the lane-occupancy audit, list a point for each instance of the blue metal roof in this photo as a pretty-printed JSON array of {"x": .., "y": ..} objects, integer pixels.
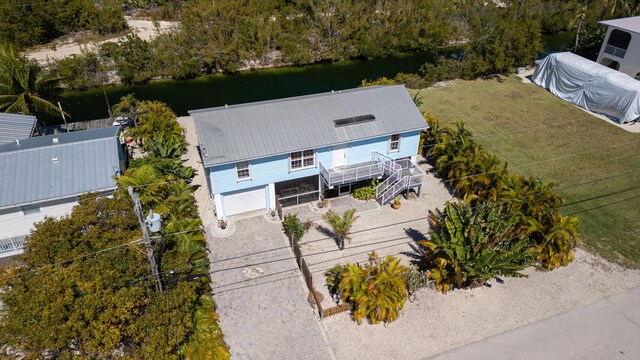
[
  {"x": 15, "y": 126},
  {"x": 248, "y": 131},
  {"x": 58, "y": 166}
]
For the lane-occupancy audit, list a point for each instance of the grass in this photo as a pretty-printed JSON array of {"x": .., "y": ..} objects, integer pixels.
[{"x": 596, "y": 165}]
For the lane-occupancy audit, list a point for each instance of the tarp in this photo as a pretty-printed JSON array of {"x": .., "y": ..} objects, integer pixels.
[{"x": 590, "y": 85}]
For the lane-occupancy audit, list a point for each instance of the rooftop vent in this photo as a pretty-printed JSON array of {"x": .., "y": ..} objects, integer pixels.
[
  {"x": 55, "y": 140},
  {"x": 54, "y": 159},
  {"x": 354, "y": 120}
]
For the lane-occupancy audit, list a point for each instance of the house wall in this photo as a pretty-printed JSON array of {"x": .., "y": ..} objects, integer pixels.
[
  {"x": 14, "y": 223},
  {"x": 274, "y": 169},
  {"x": 630, "y": 64}
]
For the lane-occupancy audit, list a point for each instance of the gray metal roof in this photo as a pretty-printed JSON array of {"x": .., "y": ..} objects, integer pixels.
[
  {"x": 247, "y": 131},
  {"x": 630, "y": 23},
  {"x": 40, "y": 169},
  {"x": 15, "y": 126}
]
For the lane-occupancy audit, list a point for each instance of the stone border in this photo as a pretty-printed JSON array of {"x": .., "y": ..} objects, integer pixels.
[
  {"x": 315, "y": 209},
  {"x": 223, "y": 233},
  {"x": 270, "y": 219}
]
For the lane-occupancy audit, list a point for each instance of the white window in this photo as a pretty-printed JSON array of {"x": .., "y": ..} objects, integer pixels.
[
  {"x": 394, "y": 143},
  {"x": 302, "y": 159},
  {"x": 243, "y": 170},
  {"x": 28, "y": 210}
]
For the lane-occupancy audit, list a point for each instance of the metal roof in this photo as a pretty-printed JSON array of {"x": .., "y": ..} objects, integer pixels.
[
  {"x": 630, "y": 23},
  {"x": 41, "y": 168},
  {"x": 248, "y": 131},
  {"x": 15, "y": 126}
]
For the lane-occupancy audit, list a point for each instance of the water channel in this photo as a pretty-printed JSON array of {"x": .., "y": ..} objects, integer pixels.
[{"x": 265, "y": 84}]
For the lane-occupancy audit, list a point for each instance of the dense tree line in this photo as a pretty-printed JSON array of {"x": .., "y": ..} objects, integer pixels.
[
  {"x": 228, "y": 35},
  {"x": 24, "y": 22}
]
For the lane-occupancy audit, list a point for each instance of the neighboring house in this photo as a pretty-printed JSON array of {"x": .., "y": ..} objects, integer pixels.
[
  {"x": 305, "y": 148},
  {"x": 16, "y": 127},
  {"x": 45, "y": 175},
  {"x": 621, "y": 46}
]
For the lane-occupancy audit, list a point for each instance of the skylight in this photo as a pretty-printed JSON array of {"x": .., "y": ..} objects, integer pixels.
[{"x": 354, "y": 120}]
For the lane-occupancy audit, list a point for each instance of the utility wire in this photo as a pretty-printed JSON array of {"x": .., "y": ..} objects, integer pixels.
[
  {"x": 209, "y": 262},
  {"x": 137, "y": 241}
]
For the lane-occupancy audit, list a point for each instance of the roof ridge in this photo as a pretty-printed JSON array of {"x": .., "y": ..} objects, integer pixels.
[
  {"x": 14, "y": 147},
  {"x": 291, "y": 98},
  {"x": 52, "y": 145}
]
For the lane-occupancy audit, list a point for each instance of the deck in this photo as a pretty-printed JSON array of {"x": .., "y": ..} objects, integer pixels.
[{"x": 352, "y": 173}]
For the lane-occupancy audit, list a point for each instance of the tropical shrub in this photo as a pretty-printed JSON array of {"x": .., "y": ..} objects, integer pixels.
[
  {"x": 293, "y": 226},
  {"x": 479, "y": 177},
  {"x": 341, "y": 225},
  {"x": 365, "y": 190},
  {"x": 376, "y": 291},
  {"x": 156, "y": 122},
  {"x": 173, "y": 168},
  {"x": 469, "y": 245}
]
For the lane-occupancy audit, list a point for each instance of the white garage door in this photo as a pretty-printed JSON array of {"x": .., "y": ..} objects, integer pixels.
[{"x": 244, "y": 201}]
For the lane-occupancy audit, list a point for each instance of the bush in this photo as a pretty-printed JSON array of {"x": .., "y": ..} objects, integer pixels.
[
  {"x": 376, "y": 291},
  {"x": 365, "y": 190},
  {"x": 81, "y": 72},
  {"x": 168, "y": 167},
  {"x": 293, "y": 226},
  {"x": 441, "y": 70},
  {"x": 469, "y": 245},
  {"x": 411, "y": 81}
]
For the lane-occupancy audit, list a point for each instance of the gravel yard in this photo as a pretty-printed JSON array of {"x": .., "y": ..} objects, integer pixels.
[{"x": 434, "y": 322}]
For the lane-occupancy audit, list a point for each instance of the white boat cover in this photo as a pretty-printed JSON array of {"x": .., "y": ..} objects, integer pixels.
[{"x": 590, "y": 85}]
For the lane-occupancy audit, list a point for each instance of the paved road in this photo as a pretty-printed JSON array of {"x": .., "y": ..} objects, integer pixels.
[
  {"x": 261, "y": 297},
  {"x": 608, "y": 329}
]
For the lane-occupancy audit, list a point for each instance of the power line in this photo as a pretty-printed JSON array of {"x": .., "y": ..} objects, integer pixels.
[
  {"x": 92, "y": 253},
  {"x": 208, "y": 263}
]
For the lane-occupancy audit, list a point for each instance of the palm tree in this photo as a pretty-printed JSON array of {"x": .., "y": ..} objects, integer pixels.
[
  {"x": 23, "y": 86},
  {"x": 341, "y": 225}
]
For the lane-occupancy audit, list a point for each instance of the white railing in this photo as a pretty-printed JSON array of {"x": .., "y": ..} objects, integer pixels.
[
  {"x": 12, "y": 244},
  {"x": 355, "y": 174},
  {"x": 394, "y": 190},
  {"x": 396, "y": 183},
  {"x": 395, "y": 176},
  {"x": 389, "y": 165}
]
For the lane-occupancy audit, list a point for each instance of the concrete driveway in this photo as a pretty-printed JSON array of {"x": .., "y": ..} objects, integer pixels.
[{"x": 261, "y": 296}]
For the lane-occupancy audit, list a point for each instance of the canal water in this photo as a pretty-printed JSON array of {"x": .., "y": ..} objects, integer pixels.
[{"x": 264, "y": 84}]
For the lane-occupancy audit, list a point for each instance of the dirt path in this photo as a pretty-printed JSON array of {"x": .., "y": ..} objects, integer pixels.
[{"x": 65, "y": 47}]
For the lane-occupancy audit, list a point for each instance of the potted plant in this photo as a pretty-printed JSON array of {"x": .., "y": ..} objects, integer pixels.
[{"x": 396, "y": 203}]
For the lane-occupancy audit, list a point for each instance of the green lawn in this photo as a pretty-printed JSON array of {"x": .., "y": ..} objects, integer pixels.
[{"x": 595, "y": 164}]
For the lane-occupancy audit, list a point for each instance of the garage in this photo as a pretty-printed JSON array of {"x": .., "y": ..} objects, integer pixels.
[{"x": 243, "y": 201}]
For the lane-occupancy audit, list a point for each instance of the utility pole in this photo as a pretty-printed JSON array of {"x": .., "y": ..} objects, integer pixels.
[
  {"x": 137, "y": 208},
  {"x": 106, "y": 99},
  {"x": 63, "y": 118}
]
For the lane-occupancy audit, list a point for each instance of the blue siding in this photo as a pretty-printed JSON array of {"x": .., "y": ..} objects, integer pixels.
[{"x": 276, "y": 168}]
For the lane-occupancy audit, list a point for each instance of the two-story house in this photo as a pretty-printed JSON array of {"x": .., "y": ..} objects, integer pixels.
[
  {"x": 45, "y": 175},
  {"x": 304, "y": 148},
  {"x": 621, "y": 46}
]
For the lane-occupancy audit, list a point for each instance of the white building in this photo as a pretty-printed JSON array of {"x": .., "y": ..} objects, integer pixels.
[
  {"x": 45, "y": 175},
  {"x": 621, "y": 46}
]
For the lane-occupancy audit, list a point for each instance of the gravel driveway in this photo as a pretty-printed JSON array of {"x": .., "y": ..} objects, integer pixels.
[{"x": 261, "y": 296}]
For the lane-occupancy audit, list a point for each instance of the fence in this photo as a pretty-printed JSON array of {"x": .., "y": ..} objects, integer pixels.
[
  {"x": 306, "y": 273},
  {"x": 279, "y": 207}
]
